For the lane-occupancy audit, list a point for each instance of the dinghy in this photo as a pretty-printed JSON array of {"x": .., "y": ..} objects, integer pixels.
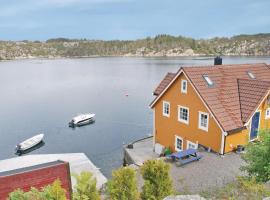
[
  {"x": 82, "y": 119},
  {"x": 29, "y": 143}
]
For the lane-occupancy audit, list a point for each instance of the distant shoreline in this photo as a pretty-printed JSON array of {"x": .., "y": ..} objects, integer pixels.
[
  {"x": 203, "y": 57},
  {"x": 159, "y": 46}
]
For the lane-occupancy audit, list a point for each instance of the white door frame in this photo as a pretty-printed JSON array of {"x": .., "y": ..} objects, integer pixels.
[{"x": 259, "y": 111}]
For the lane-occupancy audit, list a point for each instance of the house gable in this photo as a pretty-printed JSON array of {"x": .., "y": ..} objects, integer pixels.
[
  {"x": 162, "y": 88},
  {"x": 251, "y": 94},
  {"x": 222, "y": 99},
  {"x": 167, "y": 128}
]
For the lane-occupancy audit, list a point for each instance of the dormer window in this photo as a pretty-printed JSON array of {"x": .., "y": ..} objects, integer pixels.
[
  {"x": 209, "y": 82},
  {"x": 251, "y": 75}
]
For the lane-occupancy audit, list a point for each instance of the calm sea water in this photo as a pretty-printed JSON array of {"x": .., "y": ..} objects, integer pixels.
[{"x": 43, "y": 95}]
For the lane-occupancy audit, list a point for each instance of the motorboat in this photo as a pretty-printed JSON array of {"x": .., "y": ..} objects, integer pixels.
[
  {"x": 29, "y": 143},
  {"x": 82, "y": 119}
]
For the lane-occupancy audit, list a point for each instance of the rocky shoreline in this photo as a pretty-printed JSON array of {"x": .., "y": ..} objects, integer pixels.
[{"x": 159, "y": 46}]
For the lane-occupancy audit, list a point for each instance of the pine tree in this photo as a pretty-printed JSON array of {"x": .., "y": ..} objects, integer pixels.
[{"x": 157, "y": 182}]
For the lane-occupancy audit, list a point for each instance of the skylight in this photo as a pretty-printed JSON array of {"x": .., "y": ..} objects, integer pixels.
[
  {"x": 251, "y": 75},
  {"x": 208, "y": 80}
]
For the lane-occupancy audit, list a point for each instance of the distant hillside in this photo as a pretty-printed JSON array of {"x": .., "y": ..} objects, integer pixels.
[{"x": 161, "y": 45}]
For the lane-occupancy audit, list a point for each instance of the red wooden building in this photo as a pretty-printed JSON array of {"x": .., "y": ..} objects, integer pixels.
[{"x": 36, "y": 176}]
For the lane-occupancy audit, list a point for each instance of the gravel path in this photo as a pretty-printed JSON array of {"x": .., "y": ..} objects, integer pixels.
[{"x": 209, "y": 173}]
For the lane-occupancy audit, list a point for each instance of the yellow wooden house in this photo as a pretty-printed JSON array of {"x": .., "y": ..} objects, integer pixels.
[{"x": 217, "y": 107}]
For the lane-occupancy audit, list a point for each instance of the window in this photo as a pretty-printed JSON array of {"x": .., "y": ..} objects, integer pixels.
[
  {"x": 208, "y": 80},
  {"x": 267, "y": 113},
  {"x": 203, "y": 121},
  {"x": 166, "y": 109},
  {"x": 183, "y": 114},
  {"x": 183, "y": 86},
  {"x": 191, "y": 145},
  {"x": 251, "y": 75},
  {"x": 178, "y": 143}
]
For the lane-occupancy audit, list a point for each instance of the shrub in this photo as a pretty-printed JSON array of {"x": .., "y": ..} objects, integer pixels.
[
  {"x": 242, "y": 188},
  {"x": 157, "y": 182},
  {"x": 55, "y": 191},
  {"x": 50, "y": 192},
  {"x": 123, "y": 185},
  {"x": 257, "y": 157},
  {"x": 17, "y": 195},
  {"x": 34, "y": 194},
  {"x": 86, "y": 187}
]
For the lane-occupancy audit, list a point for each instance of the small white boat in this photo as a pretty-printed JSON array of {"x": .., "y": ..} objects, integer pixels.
[
  {"x": 29, "y": 143},
  {"x": 82, "y": 119}
]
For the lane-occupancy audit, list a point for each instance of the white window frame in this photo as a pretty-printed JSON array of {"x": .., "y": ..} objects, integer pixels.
[
  {"x": 175, "y": 143},
  {"x": 182, "y": 120},
  {"x": 163, "y": 109},
  {"x": 184, "y": 91},
  {"x": 267, "y": 116},
  {"x": 192, "y": 143},
  {"x": 202, "y": 127}
]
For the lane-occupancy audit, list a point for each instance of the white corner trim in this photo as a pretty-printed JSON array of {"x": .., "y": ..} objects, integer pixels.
[
  {"x": 154, "y": 127},
  {"x": 223, "y": 135}
]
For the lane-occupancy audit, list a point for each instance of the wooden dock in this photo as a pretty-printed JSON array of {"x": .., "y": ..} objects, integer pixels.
[{"x": 78, "y": 162}]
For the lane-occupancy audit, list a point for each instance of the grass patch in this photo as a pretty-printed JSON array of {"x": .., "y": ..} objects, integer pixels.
[{"x": 243, "y": 188}]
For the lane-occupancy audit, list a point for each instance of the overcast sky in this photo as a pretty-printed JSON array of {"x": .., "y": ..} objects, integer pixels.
[{"x": 131, "y": 19}]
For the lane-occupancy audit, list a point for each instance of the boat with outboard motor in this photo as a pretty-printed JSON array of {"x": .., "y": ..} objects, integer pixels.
[
  {"x": 29, "y": 143},
  {"x": 82, "y": 119}
]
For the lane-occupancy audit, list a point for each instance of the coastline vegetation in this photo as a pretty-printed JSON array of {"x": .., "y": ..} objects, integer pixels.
[{"x": 160, "y": 45}]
